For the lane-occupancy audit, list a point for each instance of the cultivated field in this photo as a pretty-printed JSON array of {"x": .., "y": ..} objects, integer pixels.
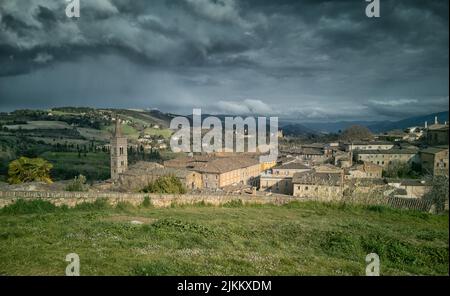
[{"x": 295, "y": 239}]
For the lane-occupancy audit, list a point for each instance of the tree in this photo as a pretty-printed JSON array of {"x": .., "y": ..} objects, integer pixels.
[
  {"x": 356, "y": 133},
  {"x": 439, "y": 192},
  {"x": 26, "y": 169},
  {"x": 398, "y": 169}
]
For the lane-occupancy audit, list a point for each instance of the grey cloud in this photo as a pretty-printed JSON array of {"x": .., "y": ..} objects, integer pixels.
[{"x": 303, "y": 59}]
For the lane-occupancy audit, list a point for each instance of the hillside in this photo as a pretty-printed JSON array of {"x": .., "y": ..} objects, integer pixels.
[
  {"x": 73, "y": 138},
  {"x": 297, "y": 130},
  {"x": 376, "y": 126},
  {"x": 409, "y": 122},
  {"x": 295, "y": 239}
]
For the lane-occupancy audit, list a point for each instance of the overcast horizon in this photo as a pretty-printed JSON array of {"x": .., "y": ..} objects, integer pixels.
[{"x": 300, "y": 60}]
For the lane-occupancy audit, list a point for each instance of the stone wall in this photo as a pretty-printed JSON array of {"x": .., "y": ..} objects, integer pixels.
[{"x": 71, "y": 199}]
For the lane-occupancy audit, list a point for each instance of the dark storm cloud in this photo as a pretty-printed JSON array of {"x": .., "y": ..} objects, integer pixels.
[{"x": 300, "y": 59}]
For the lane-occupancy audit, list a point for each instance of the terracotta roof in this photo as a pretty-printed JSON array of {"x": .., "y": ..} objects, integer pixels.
[
  {"x": 224, "y": 165},
  {"x": 368, "y": 182},
  {"x": 209, "y": 164},
  {"x": 151, "y": 168},
  {"x": 433, "y": 150},
  {"x": 292, "y": 166},
  {"x": 312, "y": 151},
  {"x": 408, "y": 182},
  {"x": 390, "y": 151},
  {"x": 373, "y": 143}
]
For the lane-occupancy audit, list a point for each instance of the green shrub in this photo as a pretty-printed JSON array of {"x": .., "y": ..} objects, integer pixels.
[
  {"x": 78, "y": 184},
  {"x": 165, "y": 185}
]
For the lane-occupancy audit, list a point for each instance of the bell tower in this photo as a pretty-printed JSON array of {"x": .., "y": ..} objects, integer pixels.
[{"x": 119, "y": 154}]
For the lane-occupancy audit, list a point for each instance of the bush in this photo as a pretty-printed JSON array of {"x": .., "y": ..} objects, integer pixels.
[
  {"x": 29, "y": 207},
  {"x": 165, "y": 185},
  {"x": 98, "y": 205},
  {"x": 77, "y": 185}
]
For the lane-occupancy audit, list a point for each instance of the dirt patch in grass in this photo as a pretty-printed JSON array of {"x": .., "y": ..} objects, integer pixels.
[{"x": 127, "y": 218}]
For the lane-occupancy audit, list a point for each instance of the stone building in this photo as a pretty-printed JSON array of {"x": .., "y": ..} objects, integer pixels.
[
  {"x": 142, "y": 173},
  {"x": 343, "y": 159},
  {"x": 367, "y": 170},
  {"x": 322, "y": 186},
  {"x": 384, "y": 158},
  {"x": 437, "y": 134},
  {"x": 412, "y": 188},
  {"x": 434, "y": 160},
  {"x": 220, "y": 172},
  {"x": 362, "y": 145},
  {"x": 279, "y": 179},
  {"x": 119, "y": 152}
]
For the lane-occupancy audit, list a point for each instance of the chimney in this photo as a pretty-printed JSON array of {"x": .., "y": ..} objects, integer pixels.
[
  {"x": 436, "y": 120},
  {"x": 426, "y": 124}
]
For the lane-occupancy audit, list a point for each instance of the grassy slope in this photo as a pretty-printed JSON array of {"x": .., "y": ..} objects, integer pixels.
[
  {"x": 297, "y": 239},
  {"x": 67, "y": 165},
  {"x": 166, "y": 133},
  {"x": 127, "y": 130}
]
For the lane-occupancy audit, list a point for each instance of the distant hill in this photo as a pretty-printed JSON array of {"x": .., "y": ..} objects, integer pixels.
[
  {"x": 335, "y": 127},
  {"x": 376, "y": 126},
  {"x": 297, "y": 130},
  {"x": 408, "y": 122}
]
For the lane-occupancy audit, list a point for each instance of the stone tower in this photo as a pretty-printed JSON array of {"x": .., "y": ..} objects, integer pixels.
[{"x": 119, "y": 155}]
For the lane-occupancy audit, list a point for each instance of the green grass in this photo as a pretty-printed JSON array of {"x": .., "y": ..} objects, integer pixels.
[
  {"x": 32, "y": 125},
  {"x": 165, "y": 133},
  {"x": 129, "y": 131},
  {"x": 295, "y": 239}
]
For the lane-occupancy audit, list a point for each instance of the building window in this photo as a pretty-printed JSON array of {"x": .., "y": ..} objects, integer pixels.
[{"x": 306, "y": 188}]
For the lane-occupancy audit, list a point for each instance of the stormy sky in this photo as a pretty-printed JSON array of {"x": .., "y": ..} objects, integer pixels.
[{"x": 308, "y": 60}]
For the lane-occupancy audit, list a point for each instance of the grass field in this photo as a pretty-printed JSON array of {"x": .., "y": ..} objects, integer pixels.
[
  {"x": 165, "y": 133},
  {"x": 129, "y": 131},
  {"x": 295, "y": 239},
  {"x": 67, "y": 165},
  {"x": 33, "y": 125}
]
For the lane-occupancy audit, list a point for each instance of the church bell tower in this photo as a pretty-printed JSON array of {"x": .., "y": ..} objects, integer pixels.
[{"x": 119, "y": 155}]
